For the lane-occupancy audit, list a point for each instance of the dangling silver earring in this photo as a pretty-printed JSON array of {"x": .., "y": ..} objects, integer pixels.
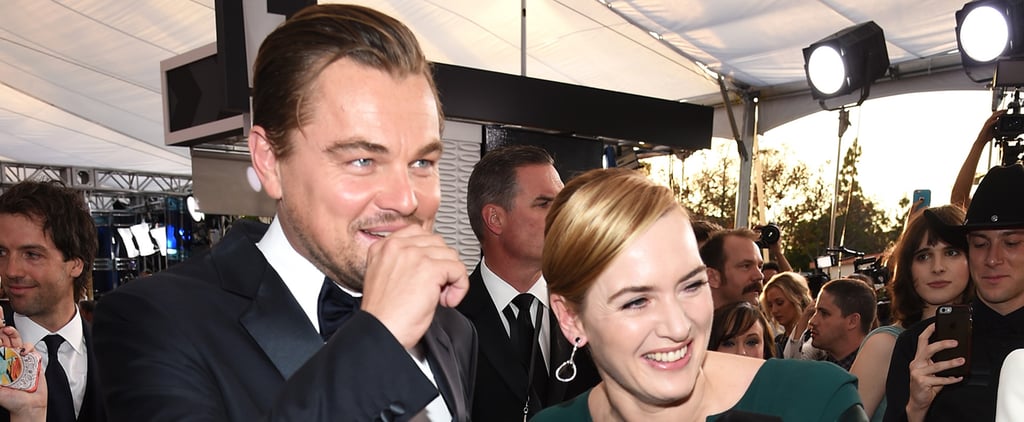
[{"x": 569, "y": 365}]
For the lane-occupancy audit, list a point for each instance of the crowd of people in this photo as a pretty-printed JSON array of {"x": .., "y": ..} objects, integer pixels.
[{"x": 599, "y": 299}]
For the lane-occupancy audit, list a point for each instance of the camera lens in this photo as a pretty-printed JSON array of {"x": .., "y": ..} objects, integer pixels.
[{"x": 770, "y": 235}]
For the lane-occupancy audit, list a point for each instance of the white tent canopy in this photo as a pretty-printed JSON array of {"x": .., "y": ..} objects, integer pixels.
[{"x": 80, "y": 83}]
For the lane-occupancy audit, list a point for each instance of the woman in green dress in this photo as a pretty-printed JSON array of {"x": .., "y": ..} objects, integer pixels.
[{"x": 627, "y": 283}]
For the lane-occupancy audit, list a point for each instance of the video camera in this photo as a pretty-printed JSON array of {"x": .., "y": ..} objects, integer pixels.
[
  {"x": 872, "y": 267},
  {"x": 1008, "y": 127},
  {"x": 1011, "y": 124},
  {"x": 815, "y": 279}
]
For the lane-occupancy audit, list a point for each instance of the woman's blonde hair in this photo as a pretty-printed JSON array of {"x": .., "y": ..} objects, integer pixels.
[
  {"x": 793, "y": 287},
  {"x": 592, "y": 220}
]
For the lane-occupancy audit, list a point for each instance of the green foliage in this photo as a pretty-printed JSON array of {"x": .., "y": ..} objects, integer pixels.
[
  {"x": 796, "y": 198},
  {"x": 711, "y": 194}
]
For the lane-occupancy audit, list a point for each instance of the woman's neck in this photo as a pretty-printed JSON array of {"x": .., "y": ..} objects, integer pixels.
[
  {"x": 789, "y": 327},
  {"x": 617, "y": 404}
]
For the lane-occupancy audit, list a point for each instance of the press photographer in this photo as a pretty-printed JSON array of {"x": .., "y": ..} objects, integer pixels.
[
  {"x": 1004, "y": 126},
  {"x": 768, "y": 238},
  {"x": 1007, "y": 129}
]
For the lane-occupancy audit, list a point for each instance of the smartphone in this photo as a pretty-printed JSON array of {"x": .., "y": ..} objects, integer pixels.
[
  {"x": 922, "y": 194},
  {"x": 18, "y": 371},
  {"x": 954, "y": 322}
]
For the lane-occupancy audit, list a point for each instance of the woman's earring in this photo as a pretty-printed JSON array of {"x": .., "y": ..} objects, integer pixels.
[{"x": 568, "y": 366}]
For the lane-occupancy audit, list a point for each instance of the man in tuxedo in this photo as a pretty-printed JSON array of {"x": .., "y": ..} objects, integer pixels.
[
  {"x": 339, "y": 310},
  {"x": 48, "y": 242},
  {"x": 509, "y": 193}
]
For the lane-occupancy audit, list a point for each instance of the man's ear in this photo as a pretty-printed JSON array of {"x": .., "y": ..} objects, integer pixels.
[
  {"x": 75, "y": 267},
  {"x": 264, "y": 161},
  {"x": 714, "y": 278},
  {"x": 494, "y": 218},
  {"x": 568, "y": 320},
  {"x": 853, "y": 322}
]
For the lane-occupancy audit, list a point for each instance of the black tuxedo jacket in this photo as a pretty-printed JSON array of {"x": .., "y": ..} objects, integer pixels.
[
  {"x": 501, "y": 378},
  {"x": 92, "y": 409},
  {"x": 221, "y": 338}
]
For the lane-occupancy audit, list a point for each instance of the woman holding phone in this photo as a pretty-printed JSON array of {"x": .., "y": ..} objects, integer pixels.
[{"x": 930, "y": 271}]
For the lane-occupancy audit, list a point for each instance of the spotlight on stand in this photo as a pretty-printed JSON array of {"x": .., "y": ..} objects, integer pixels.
[
  {"x": 846, "y": 61},
  {"x": 990, "y": 37},
  {"x": 841, "y": 63},
  {"x": 987, "y": 33}
]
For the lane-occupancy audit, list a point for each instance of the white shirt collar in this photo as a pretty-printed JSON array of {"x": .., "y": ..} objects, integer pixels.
[
  {"x": 73, "y": 359},
  {"x": 304, "y": 280},
  {"x": 33, "y": 333},
  {"x": 301, "y": 277},
  {"x": 502, "y": 293}
]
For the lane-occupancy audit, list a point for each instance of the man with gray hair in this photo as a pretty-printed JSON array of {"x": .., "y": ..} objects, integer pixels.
[{"x": 521, "y": 346}]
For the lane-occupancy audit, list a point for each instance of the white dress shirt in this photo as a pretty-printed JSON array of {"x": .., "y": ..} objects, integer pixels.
[
  {"x": 72, "y": 353},
  {"x": 502, "y": 294},
  {"x": 304, "y": 280}
]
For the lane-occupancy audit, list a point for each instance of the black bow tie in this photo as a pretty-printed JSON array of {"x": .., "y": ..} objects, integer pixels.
[{"x": 334, "y": 307}]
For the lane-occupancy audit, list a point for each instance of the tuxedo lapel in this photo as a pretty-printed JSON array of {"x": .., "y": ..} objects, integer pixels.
[
  {"x": 90, "y": 404},
  {"x": 441, "y": 357},
  {"x": 284, "y": 333},
  {"x": 274, "y": 318},
  {"x": 494, "y": 344}
]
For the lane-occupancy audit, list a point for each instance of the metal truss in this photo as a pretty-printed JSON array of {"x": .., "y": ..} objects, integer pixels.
[
  {"x": 98, "y": 180},
  {"x": 103, "y": 187}
]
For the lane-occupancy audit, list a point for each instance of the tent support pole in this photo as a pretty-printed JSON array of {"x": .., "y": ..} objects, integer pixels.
[
  {"x": 746, "y": 160},
  {"x": 522, "y": 40}
]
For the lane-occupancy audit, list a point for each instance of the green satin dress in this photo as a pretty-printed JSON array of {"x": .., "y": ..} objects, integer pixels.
[{"x": 794, "y": 390}]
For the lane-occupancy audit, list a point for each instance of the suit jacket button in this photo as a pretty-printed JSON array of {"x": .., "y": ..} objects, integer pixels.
[
  {"x": 393, "y": 410},
  {"x": 397, "y": 409}
]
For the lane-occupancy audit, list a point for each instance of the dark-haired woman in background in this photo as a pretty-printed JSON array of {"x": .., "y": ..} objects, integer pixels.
[
  {"x": 930, "y": 271},
  {"x": 741, "y": 329}
]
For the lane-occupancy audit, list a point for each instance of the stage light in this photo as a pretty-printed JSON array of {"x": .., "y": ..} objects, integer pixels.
[
  {"x": 193, "y": 209},
  {"x": 826, "y": 70},
  {"x": 127, "y": 239},
  {"x": 142, "y": 239},
  {"x": 837, "y": 65},
  {"x": 987, "y": 33},
  {"x": 159, "y": 234},
  {"x": 846, "y": 61}
]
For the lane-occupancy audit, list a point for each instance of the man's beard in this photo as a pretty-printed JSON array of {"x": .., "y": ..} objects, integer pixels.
[{"x": 345, "y": 269}]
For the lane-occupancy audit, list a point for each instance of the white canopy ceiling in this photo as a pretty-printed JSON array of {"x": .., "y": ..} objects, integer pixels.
[{"x": 80, "y": 83}]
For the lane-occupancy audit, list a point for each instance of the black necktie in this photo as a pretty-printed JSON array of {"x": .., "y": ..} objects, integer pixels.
[
  {"x": 334, "y": 307},
  {"x": 523, "y": 335},
  {"x": 60, "y": 406}
]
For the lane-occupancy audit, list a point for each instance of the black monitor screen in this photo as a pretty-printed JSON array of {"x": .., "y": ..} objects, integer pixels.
[{"x": 195, "y": 94}]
